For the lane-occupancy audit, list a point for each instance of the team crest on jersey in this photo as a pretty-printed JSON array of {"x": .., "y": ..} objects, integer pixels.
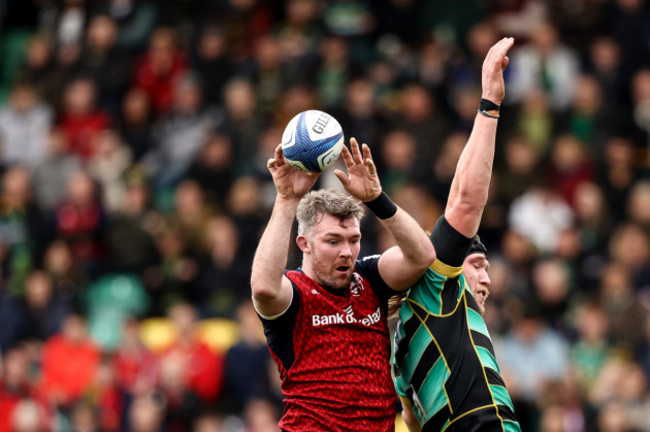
[{"x": 356, "y": 285}]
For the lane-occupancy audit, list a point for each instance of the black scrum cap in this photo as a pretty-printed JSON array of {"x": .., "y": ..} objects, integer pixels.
[{"x": 477, "y": 247}]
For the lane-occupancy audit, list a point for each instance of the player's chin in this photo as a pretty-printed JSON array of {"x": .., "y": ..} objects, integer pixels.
[{"x": 341, "y": 279}]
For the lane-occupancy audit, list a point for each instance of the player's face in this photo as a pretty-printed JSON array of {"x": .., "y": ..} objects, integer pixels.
[
  {"x": 475, "y": 270},
  {"x": 333, "y": 250}
]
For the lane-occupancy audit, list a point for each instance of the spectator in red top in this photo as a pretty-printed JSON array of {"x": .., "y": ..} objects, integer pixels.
[
  {"x": 14, "y": 384},
  {"x": 69, "y": 363},
  {"x": 159, "y": 68},
  {"x": 81, "y": 120},
  {"x": 202, "y": 369},
  {"x": 107, "y": 396},
  {"x": 79, "y": 220},
  {"x": 569, "y": 167},
  {"x": 191, "y": 374},
  {"x": 136, "y": 367}
]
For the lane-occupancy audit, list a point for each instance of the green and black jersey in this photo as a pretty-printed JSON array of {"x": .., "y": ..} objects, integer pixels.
[{"x": 444, "y": 361}]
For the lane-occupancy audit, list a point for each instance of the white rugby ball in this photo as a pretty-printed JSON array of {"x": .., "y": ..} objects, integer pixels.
[{"x": 312, "y": 141}]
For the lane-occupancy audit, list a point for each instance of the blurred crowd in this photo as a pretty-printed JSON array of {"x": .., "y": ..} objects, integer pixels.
[{"x": 134, "y": 136}]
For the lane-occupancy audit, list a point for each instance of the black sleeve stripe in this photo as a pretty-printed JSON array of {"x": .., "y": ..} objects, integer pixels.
[
  {"x": 438, "y": 420},
  {"x": 506, "y": 413},
  {"x": 403, "y": 340},
  {"x": 449, "y": 295},
  {"x": 451, "y": 246},
  {"x": 429, "y": 357},
  {"x": 483, "y": 341},
  {"x": 493, "y": 377}
]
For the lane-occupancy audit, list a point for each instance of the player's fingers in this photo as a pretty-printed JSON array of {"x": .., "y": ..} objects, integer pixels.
[
  {"x": 372, "y": 169},
  {"x": 347, "y": 157},
  {"x": 498, "y": 51},
  {"x": 505, "y": 62},
  {"x": 489, "y": 59},
  {"x": 270, "y": 164},
  {"x": 504, "y": 45},
  {"x": 366, "y": 151},
  {"x": 356, "y": 153},
  {"x": 279, "y": 156},
  {"x": 343, "y": 178}
]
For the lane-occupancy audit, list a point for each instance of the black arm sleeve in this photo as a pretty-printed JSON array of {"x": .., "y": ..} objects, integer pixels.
[
  {"x": 451, "y": 246},
  {"x": 279, "y": 331}
]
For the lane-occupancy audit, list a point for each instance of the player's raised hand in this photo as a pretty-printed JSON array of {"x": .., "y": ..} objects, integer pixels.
[
  {"x": 496, "y": 61},
  {"x": 361, "y": 181},
  {"x": 290, "y": 182}
]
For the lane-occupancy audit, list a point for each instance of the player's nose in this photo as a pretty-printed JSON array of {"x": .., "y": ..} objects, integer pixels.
[
  {"x": 346, "y": 250},
  {"x": 485, "y": 279}
]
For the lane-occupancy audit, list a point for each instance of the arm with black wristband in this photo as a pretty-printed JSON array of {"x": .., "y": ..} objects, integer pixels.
[
  {"x": 469, "y": 188},
  {"x": 382, "y": 206},
  {"x": 489, "y": 109},
  {"x": 461, "y": 256},
  {"x": 403, "y": 264}
]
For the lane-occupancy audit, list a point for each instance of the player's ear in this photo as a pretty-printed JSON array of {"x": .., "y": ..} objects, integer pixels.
[{"x": 302, "y": 243}]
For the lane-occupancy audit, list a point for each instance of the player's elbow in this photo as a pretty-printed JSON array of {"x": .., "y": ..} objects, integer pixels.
[
  {"x": 421, "y": 258},
  {"x": 266, "y": 285},
  {"x": 261, "y": 291},
  {"x": 427, "y": 256},
  {"x": 263, "y": 296}
]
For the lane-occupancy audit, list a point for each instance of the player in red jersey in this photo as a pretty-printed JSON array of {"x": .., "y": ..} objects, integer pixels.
[{"x": 326, "y": 322}]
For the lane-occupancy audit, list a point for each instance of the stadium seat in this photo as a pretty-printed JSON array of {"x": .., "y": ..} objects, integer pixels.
[
  {"x": 157, "y": 333},
  {"x": 219, "y": 333}
]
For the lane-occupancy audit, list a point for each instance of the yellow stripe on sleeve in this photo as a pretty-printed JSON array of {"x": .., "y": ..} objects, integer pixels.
[{"x": 446, "y": 270}]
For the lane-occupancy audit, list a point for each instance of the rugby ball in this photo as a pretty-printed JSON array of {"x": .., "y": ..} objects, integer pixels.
[{"x": 312, "y": 141}]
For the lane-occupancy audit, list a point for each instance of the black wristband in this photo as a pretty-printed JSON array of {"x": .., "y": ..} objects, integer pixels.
[
  {"x": 488, "y": 109},
  {"x": 382, "y": 206},
  {"x": 488, "y": 105}
]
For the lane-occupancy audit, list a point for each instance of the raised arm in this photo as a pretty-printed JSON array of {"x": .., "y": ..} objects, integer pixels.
[
  {"x": 469, "y": 188},
  {"x": 402, "y": 265},
  {"x": 272, "y": 292}
]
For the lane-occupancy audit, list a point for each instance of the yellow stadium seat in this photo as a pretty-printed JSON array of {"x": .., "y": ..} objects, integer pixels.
[
  {"x": 218, "y": 333},
  {"x": 157, "y": 333}
]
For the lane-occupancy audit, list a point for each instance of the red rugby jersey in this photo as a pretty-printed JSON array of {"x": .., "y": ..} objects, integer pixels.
[{"x": 337, "y": 377}]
